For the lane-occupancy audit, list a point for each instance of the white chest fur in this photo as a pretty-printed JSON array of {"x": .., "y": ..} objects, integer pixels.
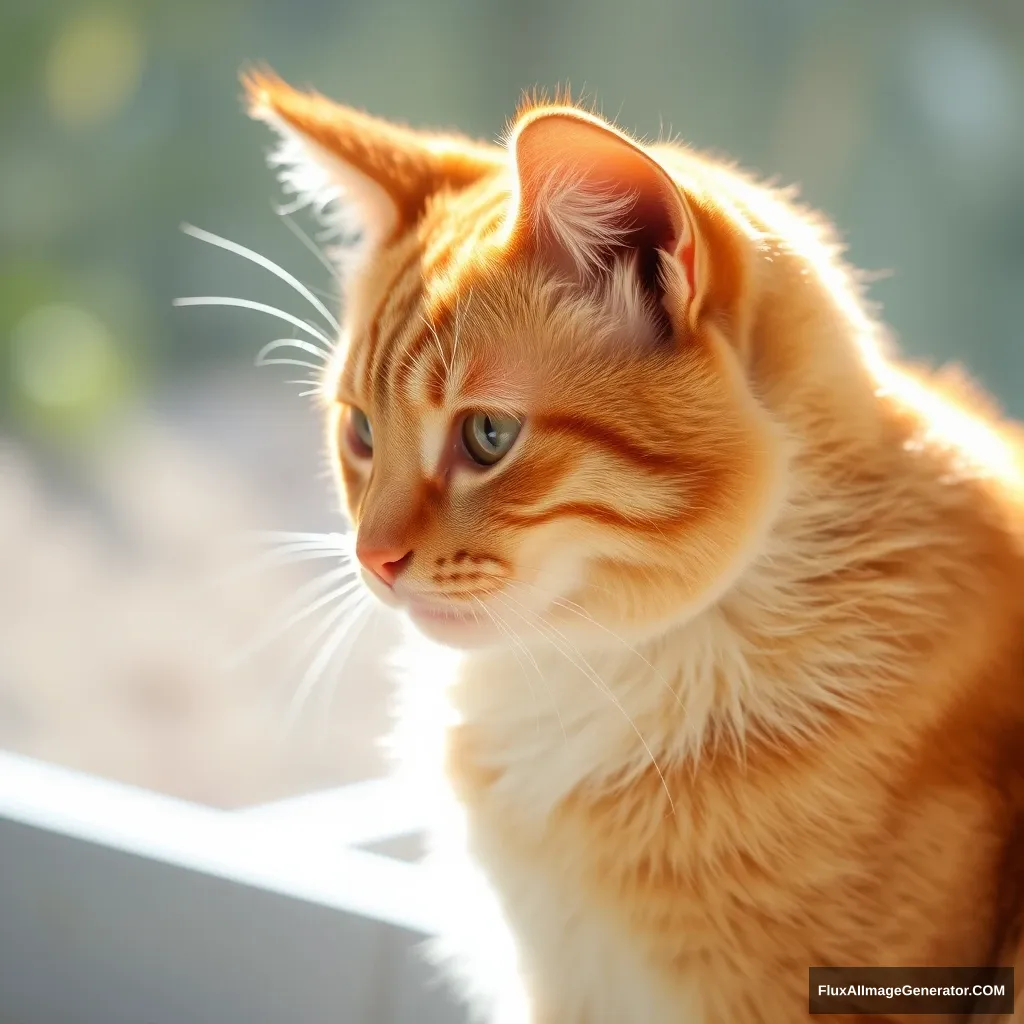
[
  {"x": 585, "y": 969},
  {"x": 546, "y": 732}
]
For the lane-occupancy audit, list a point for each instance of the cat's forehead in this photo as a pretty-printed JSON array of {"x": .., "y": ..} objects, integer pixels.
[{"x": 435, "y": 343}]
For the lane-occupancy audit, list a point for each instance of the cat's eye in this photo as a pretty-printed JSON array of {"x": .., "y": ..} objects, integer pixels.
[
  {"x": 361, "y": 431},
  {"x": 489, "y": 438}
]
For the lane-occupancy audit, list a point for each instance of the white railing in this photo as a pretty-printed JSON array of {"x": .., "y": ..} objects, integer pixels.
[{"x": 306, "y": 849}]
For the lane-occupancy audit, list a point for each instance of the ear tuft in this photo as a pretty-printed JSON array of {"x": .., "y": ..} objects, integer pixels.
[
  {"x": 385, "y": 171},
  {"x": 585, "y": 222},
  {"x": 258, "y": 84},
  {"x": 306, "y": 174},
  {"x": 588, "y": 195}
]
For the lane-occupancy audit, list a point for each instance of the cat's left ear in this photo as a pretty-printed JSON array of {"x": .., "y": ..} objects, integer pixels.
[
  {"x": 385, "y": 172},
  {"x": 587, "y": 192}
]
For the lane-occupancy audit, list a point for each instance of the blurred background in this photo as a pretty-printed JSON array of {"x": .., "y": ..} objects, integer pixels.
[{"x": 138, "y": 443}]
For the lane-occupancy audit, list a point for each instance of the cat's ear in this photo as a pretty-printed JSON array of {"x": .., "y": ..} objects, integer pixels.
[
  {"x": 385, "y": 171},
  {"x": 587, "y": 192}
]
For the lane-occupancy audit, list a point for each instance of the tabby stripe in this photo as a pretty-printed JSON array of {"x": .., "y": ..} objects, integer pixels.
[
  {"x": 401, "y": 368},
  {"x": 393, "y": 352},
  {"x": 397, "y": 311},
  {"x": 595, "y": 434},
  {"x": 405, "y": 357},
  {"x": 437, "y": 350},
  {"x": 533, "y": 478},
  {"x": 437, "y": 378},
  {"x": 601, "y": 514},
  {"x": 422, "y": 264},
  {"x": 373, "y": 339}
]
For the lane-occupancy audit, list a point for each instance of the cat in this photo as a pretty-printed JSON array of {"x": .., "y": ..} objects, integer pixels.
[{"x": 734, "y": 599}]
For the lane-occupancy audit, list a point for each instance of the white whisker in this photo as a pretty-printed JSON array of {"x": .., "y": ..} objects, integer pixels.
[
  {"x": 362, "y": 614},
  {"x": 262, "y": 261},
  {"x": 345, "y": 603},
  {"x": 340, "y": 540},
  {"x": 572, "y": 606},
  {"x": 308, "y": 242},
  {"x": 296, "y": 343},
  {"x": 289, "y": 362},
  {"x": 346, "y": 629},
  {"x": 502, "y": 628},
  {"x": 458, "y": 327},
  {"x": 590, "y": 672},
  {"x": 437, "y": 344},
  {"x": 289, "y": 555},
  {"x": 259, "y": 307},
  {"x": 507, "y": 629},
  {"x": 304, "y": 612}
]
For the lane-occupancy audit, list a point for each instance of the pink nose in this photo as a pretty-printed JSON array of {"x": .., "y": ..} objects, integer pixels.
[{"x": 385, "y": 563}]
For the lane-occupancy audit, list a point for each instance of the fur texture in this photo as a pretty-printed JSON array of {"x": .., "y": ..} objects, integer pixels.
[{"x": 737, "y": 682}]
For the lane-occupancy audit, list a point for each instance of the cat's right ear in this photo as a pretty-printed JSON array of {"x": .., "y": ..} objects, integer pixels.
[
  {"x": 588, "y": 195},
  {"x": 384, "y": 172}
]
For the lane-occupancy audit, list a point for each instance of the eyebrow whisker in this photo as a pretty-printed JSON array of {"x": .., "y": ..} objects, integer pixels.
[
  {"x": 254, "y": 257},
  {"x": 259, "y": 307}
]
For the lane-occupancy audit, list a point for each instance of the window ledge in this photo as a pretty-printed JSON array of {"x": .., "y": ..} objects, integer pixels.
[{"x": 178, "y": 913}]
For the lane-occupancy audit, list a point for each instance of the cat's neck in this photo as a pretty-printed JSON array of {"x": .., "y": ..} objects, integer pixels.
[
  {"x": 862, "y": 585},
  {"x": 886, "y": 548}
]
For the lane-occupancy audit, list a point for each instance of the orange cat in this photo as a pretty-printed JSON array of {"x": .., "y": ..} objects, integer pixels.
[{"x": 737, "y": 600}]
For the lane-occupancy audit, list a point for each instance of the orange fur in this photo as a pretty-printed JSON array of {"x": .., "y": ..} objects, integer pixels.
[{"x": 764, "y": 583}]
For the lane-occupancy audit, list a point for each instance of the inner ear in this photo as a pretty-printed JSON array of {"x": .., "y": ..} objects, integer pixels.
[
  {"x": 590, "y": 197},
  {"x": 652, "y": 233}
]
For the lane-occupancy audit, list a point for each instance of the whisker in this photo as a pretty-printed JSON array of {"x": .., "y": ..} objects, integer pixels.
[
  {"x": 572, "y": 606},
  {"x": 308, "y": 242},
  {"x": 339, "y": 575},
  {"x": 362, "y": 615},
  {"x": 316, "y": 669},
  {"x": 297, "y": 343},
  {"x": 501, "y": 628},
  {"x": 408, "y": 360},
  {"x": 325, "y": 626},
  {"x": 259, "y": 307},
  {"x": 274, "y": 536},
  {"x": 507, "y": 629},
  {"x": 580, "y": 586},
  {"x": 437, "y": 343},
  {"x": 289, "y": 362},
  {"x": 285, "y": 546},
  {"x": 266, "y": 264},
  {"x": 285, "y": 556},
  {"x": 602, "y": 687},
  {"x": 330, "y": 618},
  {"x": 458, "y": 323},
  {"x": 305, "y": 612},
  {"x": 316, "y": 387}
]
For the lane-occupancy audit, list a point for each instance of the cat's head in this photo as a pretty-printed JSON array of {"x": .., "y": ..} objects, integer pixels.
[{"x": 539, "y": 411}]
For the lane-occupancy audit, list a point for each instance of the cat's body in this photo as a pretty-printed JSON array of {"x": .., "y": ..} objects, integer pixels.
[{"x": 754, "y": 696}]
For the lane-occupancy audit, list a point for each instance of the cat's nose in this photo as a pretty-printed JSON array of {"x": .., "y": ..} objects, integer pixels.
[{"x": 384, "y": 562}]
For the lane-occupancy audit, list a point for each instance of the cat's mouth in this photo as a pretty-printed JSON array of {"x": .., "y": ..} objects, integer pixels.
[
  {"x": 454, "y": 623},
  {"x": 461, "y": 622}
]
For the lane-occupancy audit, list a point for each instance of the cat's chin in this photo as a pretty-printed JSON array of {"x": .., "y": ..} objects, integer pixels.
[
  {"x": 464, "y": 632},
  {"x": 454, "y": 625}
]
